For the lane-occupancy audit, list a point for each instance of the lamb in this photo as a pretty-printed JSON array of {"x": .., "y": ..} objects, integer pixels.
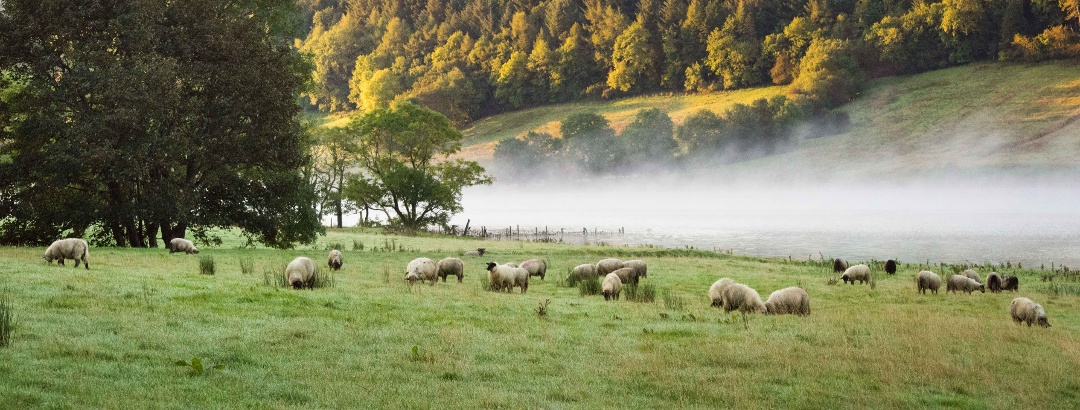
[
  {"x": 859, "y": 273},
  {"x": 627, "y": 275},
  {"x": 70, "y": 248},
  {"x": 584, "y": 271},
  {"x": 478, "y": 252},
  {"x": 788, "y": 301},
  {"x": 1027, "y": 311},
  {"x": 928, "y": 280},
  {"x": 1010, "y": 282},
  {"x": 451, "y": 267},
  {"x": 839, "y": 265},
  {"x": 743, "y": 298},
  {"x": 964, "y": 284},
  {"x": 333, "y": 260},
  {"x": 890, "y": 266},
  {"x": 608, "y": 265},
  {"x": 639, "y": 266},
  {"x": 972, "y": 274},
  {"x": 993, "y": 282},
  {"x": 716, "y": 291},
  {"x": 182, "y": 245},
  {"x": 425, "y": 270},
  {"x": 502, "y": 277},
  {"x": 611, "y": 287},
  {"x": 300, "y": 273},
  {"x": 536, "y": 267}
]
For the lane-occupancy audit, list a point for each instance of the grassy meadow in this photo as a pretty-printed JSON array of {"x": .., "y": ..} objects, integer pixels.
[{"x": 109, "y": 337}]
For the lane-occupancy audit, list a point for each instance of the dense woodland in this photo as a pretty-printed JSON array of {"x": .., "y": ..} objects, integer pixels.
[{"x": 470, "y": 58}]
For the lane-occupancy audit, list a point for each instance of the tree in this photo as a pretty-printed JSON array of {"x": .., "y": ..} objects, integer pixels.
[
  {"x": 631, "y": 60},
  {"x": 333, "y": 154},
  {"x": 828, "y": 75},
  {"x": 142, "y": 128},
  {"x": 650, "y": 138},
  {"x": 591, "y": 142},
  {"x": 512, "y": 86},
  {"x": 404, "y": 169},
  {"x": 702, "y": 131}
]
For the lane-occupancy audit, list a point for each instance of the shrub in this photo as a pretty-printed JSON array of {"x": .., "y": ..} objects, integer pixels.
[{"x": 206, "y": 265}]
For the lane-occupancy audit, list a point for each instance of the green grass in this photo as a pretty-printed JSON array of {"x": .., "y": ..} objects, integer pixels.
[{"x": 111, "y": 337}]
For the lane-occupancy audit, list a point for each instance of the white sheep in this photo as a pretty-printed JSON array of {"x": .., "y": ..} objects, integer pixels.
[
  {"x": 971, "y": 273},
  {"x": 744, "y": 298},
  {"x": 1025, "y": 310},
  {"x": 424, "y": 268},
  {"x": 608, "y": 265},
  {"x": 334, "y": 259},
  {"x": 478, "y": 252},
  {"x": 584, "y": 271},
  {"x": 70, "y": 248},
  {"x": 300, "y": 273},
  {"x": 182, "y": 245},
  {"x": 502, "y": 277},
  {"x": 611, "y": 287},
  {"x": 927, "y": 280},
  {"x": 536, "y": 267},
  {"x": 451, "y": 267},
  {"x": 791, "y": 300},
  {"x": 627, "y": 275},
  {"x": 639, "y": 266},
  {"x": 964, "y": 284},
  {"x": 859, "y": 273},
  {"x": 716, "y": 291}
]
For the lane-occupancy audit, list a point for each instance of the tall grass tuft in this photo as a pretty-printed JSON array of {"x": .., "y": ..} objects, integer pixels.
[
  {"x": 206, "y": 265},
  {"x": 1062, "y": 289},
  {"x": 323, "y": 279},
  {"x": 571, "y": 279},
  {"x": 275, "y": 278},
  {"x": 335, "y": 245},
  {"x": 247, "y": 266},
  {"x": 589, "y": 287},
  {"x": 640, "y": 292},
  {"x": 7, "y": 322},
  {"x": 386, "y": 272},
  {"x": 357, "y": 245},
  {"x": 671, "y": 300}
]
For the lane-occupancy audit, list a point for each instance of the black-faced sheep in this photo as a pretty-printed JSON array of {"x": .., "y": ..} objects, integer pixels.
[
  {"x": 1010, "y": 282},
  {"x": 504, "y": 278},
  {"x": 70, "y": 248},
  {"x": 334, "y": 259},
  {"x": 928, "y": 280},
  {"x": 993, "y": 282},
  {"x": 964, "y": 284},
  {"x": 611, "y": 287},
  {"x": 451, "y": 267},
  {"x": 536, "y": 267},
  {"x": 859, "y": 273},
  {"x": 300, "y": 273},
  {"x": 639, "y": 266},
  {"x": 424, "y": 268},
  {"x": 608, "y": 265},
  {"x": 1025, "y": 310},
  {"x": 478, "y": 252},
  {"x": 743, "y": 298},
  {"x": 716, "y": 291},
  {"x": 890, "y": 267},
  {"x": 971, "y": 273},
  {"x": 839, "y": 265},
  {"x": 788, "y": 301},
  {"x": 585, "y": 271},
  {"x": 182, "y": 245}
]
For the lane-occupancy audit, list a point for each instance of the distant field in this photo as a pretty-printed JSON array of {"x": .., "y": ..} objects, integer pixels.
[{"x": 109, "y": 337}]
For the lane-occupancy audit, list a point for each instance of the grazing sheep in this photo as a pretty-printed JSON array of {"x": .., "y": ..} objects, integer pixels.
[
  {"x": 520, "y": 279},
  {"x": 536, "y": 267},
  {"x": 743, "y": 298},
  {"x": 182, "y": 245},
  {"x": 478, "y": 252},
  {"x": 928, "y": 280},
  {"x": 627, "y": 275},
  {"x": 964, "y": 284},
  {"x": 608, "y": 265},
  {"x": 993, "y": 282},
  {"x": 1010, "y": 282},
  {"x": 300, "y": 273},
  {"x": 451, "y": 267},
  {"x": 890, "y": 266},
  {"x": 511, "y": 264},
  {"x": 70, "y": 248},
  {"x": 788, "y": 301},
  {"x": 716, "y": 291},
  {"x": 639, "y": 266},
  {"x": 1027, "y": 311},
  {"x": 611, "y": 287},
  {"x": 424, "y": 268},
  {"x": 839, "y": 265},
  {"x": 412, "y": 277},
  {"x": 859, "y": 273},
  {"x": 504, "y": 278},
  {"x": 334, "y": 259},
  {"x": 971, "y": 273},
  {"x": 584, "y": 271}
]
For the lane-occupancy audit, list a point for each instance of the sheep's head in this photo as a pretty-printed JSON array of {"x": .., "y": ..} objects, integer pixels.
[
  {"x": 195, "y": 251},
  {"x": 1042, "y": 321},
  {"x": 297, "y": 284},
  {"x": 491, "y": 265},
  {"x": 481, "y": 251},
  {"x": 982, "y": 288},
  {"x": 845, "y": 278}
]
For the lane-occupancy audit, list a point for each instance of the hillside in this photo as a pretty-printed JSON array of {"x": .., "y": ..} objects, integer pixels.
[{"x": 988, "y": 116}]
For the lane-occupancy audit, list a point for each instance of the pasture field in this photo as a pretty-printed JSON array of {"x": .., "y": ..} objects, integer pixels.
[{"x": 110, "y": 337}]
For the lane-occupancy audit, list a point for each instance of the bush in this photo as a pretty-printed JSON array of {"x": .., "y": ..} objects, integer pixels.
[{"x": 206, "y": 265}]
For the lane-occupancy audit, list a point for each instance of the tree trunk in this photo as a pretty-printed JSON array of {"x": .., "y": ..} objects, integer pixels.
[
  {"x": 339, "y": 212},
  {"x": 118, "y": 235},
  {"x": 151, "y": 234}
]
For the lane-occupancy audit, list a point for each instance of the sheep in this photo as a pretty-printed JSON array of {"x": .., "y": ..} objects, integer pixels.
[
  {"x": 859, "y": 273},
  {"x": 477, "y": 253},
  {"x": 520, "y": 279},
  {"x": 639, "y": 266},
  {"x": 993, "y": 282},
  {"x": 451, "y": 267},
  {"x": 839, "y": 265},
  {"x": 182, "y": 245},
  {"x": 611, "y": 287},
  {"x": 608, "y": 265},
  {"x": 424, "y": 268},
  {"x": 333, "y": 260},
  {"x": 584, "y": 271},
  {"x": 743, "y": 298},
  {"x": 716, "y": 291},
  {"x": 502, "y": 277},
  {"x": 964, "y": 284},
  {"x": 1010, "y": 282},
  {"x": 412, "y": 277},
  {"x": 1027, "y": 311},
  {"x": 890, "y": 266},
  {"x": 536, "y": 267},
  {"x": 928, "y": 280},
  {"x": 791, "y": 300},
  {"x": 972, "y": 274},
  {"x": 300, "y": 273},
  {"x": 70, "y": 248},
  {"x": 627, "y": 275}
]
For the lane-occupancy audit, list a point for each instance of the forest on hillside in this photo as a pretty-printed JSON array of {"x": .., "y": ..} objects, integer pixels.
[{"x": 471, "y": 58}]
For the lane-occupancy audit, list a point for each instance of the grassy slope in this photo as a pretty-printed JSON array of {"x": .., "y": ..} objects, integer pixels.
[{"x": 108, "y": 337}]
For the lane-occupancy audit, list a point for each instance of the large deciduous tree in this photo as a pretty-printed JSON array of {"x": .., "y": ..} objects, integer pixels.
[{"x": 133, "y": 117}]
